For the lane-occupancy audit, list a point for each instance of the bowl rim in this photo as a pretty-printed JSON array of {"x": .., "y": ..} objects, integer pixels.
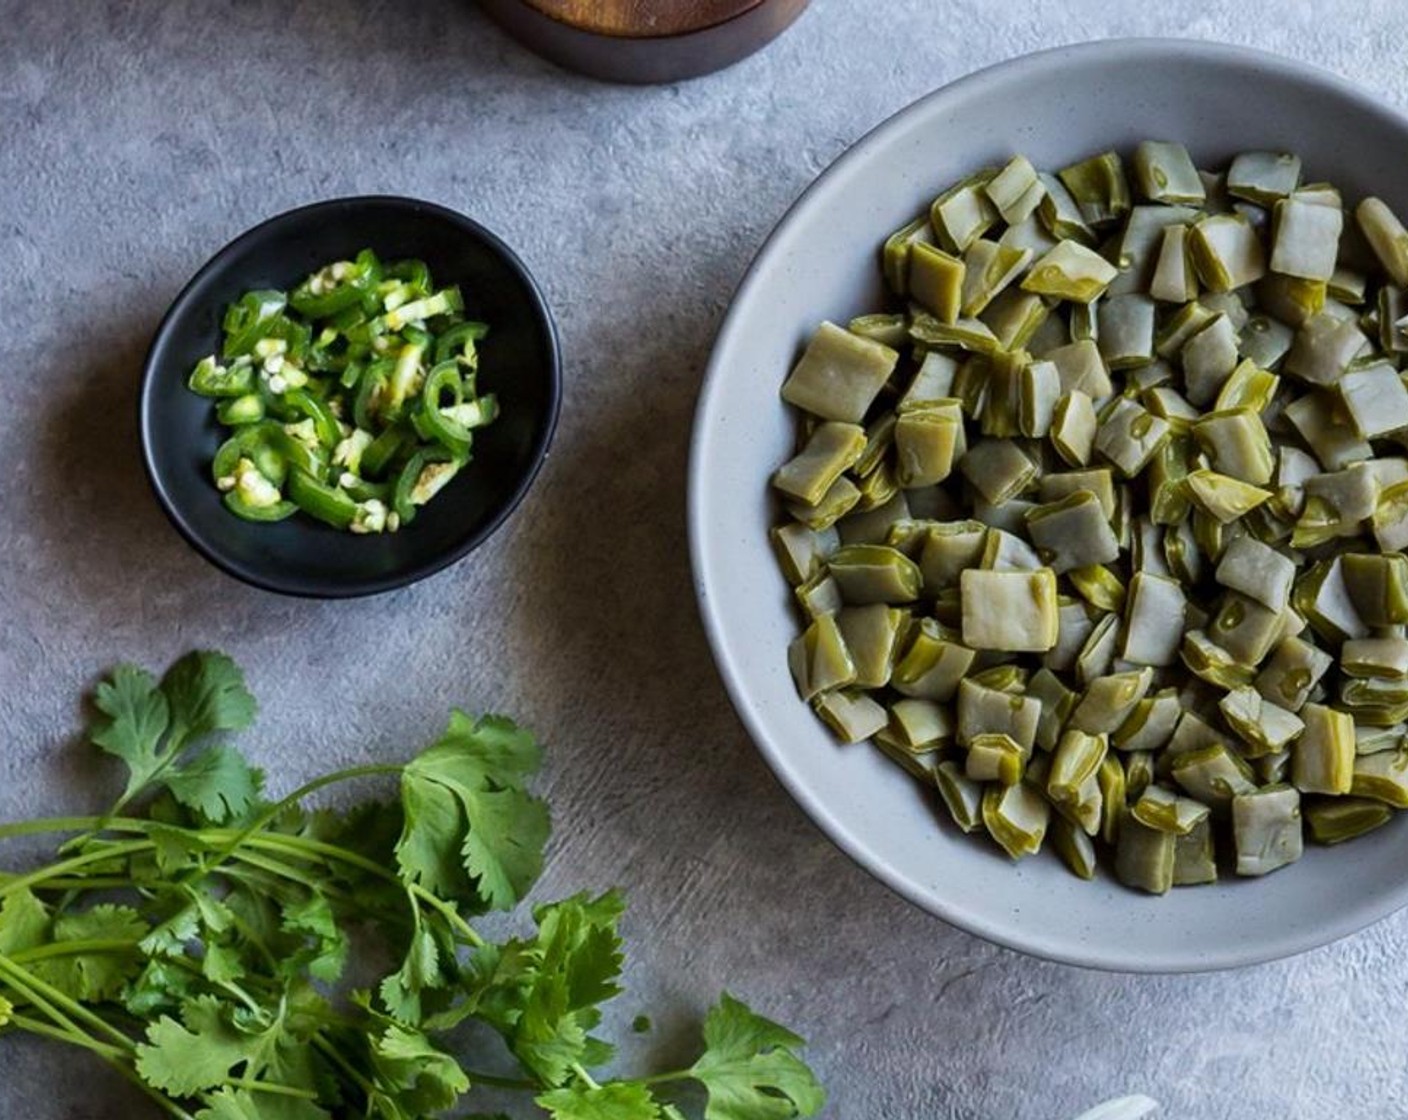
[
  {"x": 1009, "y": 934},
  {"x": 261, "y": 576}
]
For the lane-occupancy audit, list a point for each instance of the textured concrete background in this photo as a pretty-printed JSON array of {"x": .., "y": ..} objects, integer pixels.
[{"x": 136, "y": 138}]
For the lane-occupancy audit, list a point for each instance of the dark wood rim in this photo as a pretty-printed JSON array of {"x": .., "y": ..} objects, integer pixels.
[{"x": 645, "y": 59}]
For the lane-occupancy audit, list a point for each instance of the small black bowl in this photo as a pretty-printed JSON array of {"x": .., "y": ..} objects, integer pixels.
[{"x": 519, "y": 362}]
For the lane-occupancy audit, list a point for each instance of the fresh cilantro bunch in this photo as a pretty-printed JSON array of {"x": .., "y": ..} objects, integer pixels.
[{"x": 196, "y": 936}]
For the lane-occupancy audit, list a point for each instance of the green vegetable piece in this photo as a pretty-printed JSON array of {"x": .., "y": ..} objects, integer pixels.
[
  {"x": 1060, "y": 214},
  {"x": 1164, "y": 172},
  {"x": 1247, "y": 387},
  {"x": 1039, "y": 393},
  {"x": 998, "y": 469},
  {"x": 1382, "y": 777},
  {"x": 1386, "y": 236},
  {"x": 1110, "y": 781},
  {"x": 1245, "y": 628},
  {"x": 963, "y": 798},
  {"x": 1175, "y": 280},
  {"x": 1129, "y": 435},
  {"x": 949, "y": 548},
  {"x": 963, "y": 213},
  {"x": 1263, "y": 726},
  {"x": 1194, "y": 860},
  {"x": 1109, "y": 700},
  {"x": 801, "y": 551},
  {"x": 211, "y": 379},
  {"x": 932, "y": 384},
  {"x": 1257, "y": 571},
  {"x": 1009, "y": 611},
  {"x": 1098, "y": 482},
  {"x": 1082, "y": 369},
  {"x": 819, "y": 658},
  {"x": 1222, "y": 497},
  {"x": 1263, "y": 177},
  {"x": 1016, "y": 190},
  {"x": 1155, "y": 612},
  {"x": 896, "y": 252},
  {"x": 1166, "y": 811},
  {"x": 1072, "y": 532},
  {"x": 1073, "y": 428},
  {"x": 1209, "y": 357},
  {"x": 933, "y": 664},
  {"x": 1227, "y": 253},
  {"x": 988, "y": 268},
  {"x": 830, "y": 450},
  {"x": 1213, "y": 774},
  {"x": 1323, "y": 758},
  {"x": 1212, "y": 663},
  {"x": 1267, "y": 829},
  {"x": 1305, "y": 238},
  {"x": 1016, "y": 817},
  {"x": 1126, "y": 330},
  {"x": 1076, "y": 849},
  {"x": 835, "y": 504},
  {"x": 869, "y": 573},
  {"x": 1074, "y": 764},
  {"x": 1322, "y": 595},
  {"x": 983, "y": 709},
  {"x": 1323, "y": 348},
  {"x": 839, "y": 375},
  {"x": 1390, "y": 518},
  {"x": 921, "y": 723},
  {"x": 1344, "y": 818},
  {"x": 872, "y": 634},
  {"x": 851, "y": 714},
  {"x": 1151, "y": 724},
  {"x": 1320, "y": 420},
  {"x": 1375, "y": 399},
  {"x": 1378, "y": 587},
  {"x": 1070, "y": 271},
  {"x": 1099, "y": 187},
  {"x": 889, "y": 330},
  {"x": 819, "y": 595},
  {"x": 1014, "y": 317},
  {"x": 937, "y": 281},
  {"x": 994, "y": 757},
  {"x": 926, "y": 443},
  {"x": 1265, "y": 341},
  {"x": 1144, "y": 856},
  {"x": 1237, "y": 444}
]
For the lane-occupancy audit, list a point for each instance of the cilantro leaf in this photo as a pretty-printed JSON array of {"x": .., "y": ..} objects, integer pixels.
[
  {"x": 24, "y": 922},
  {"x": 134, "y": 716},
  {"x": 217, "y": 783},
  {"x": 148, "y": 725},
  {"x": 197, "y": 1053},
  {"x": 617, "y": 1100},
  {"x": 94, "y": 975},
  {"x": 750, "y": 1070},
  {"x": 467, "y": 813},
  {"x": 544, "y": 993},
  {"x": 206, "y": 693},
  {"x": 422, "y": 1078},
  {"x": 239, "y": 1104},
  {"x": 420, "y": 971}
]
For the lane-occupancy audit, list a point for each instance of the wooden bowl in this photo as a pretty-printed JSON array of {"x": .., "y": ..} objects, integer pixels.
[{"x": 644, "y": 41}]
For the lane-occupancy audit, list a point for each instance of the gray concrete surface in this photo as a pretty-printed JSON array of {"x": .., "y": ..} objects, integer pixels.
[{"x": 136, "y": 138}]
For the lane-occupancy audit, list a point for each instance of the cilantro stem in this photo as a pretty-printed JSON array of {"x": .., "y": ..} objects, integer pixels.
[
  {"x": 449, "y": 913},
  {"x": 587, "y": 1079},
  {"x": 48, "y": 1030},
  {"x": 75, "y": 863},
  {"x": 71, "y": 949},
  {"x": 661, "y": 1078},
  {"x": 48, "y": 998},
  {"x": 272, "y": 1087},
  {"x": 520, "y": 1084},
  {"x": 273, "y": 811}
]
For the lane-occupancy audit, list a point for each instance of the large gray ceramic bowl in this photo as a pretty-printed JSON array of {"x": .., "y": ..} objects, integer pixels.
[{"x": 822, "y": 263}]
